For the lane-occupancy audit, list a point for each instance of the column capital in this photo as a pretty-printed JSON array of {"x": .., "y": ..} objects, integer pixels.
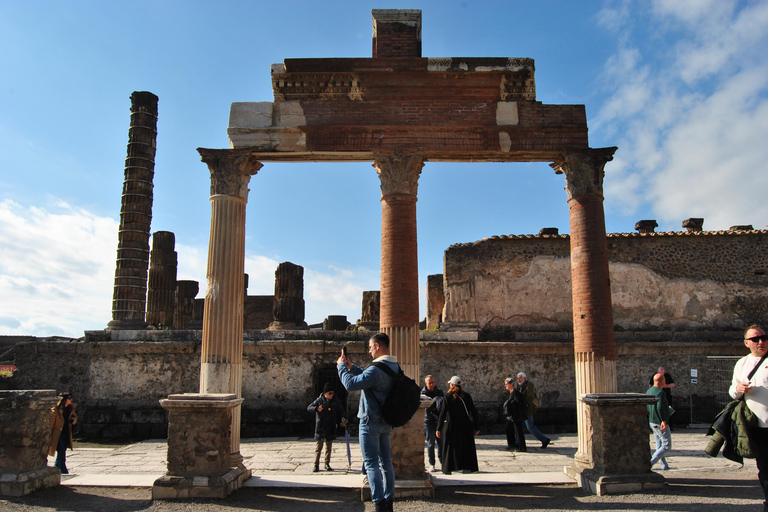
[
  {"x": 399, "y": 172},
  {"x": 231, "y": 170},
  {"x": 584, "y": 170}
]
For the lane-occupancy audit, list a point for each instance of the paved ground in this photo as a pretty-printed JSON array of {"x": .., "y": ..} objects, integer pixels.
[{"x": 118, "y": 478}]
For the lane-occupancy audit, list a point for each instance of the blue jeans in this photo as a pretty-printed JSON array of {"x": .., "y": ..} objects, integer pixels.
[
  {"x": 61, "y": 456},
  {"x": 431, "y": 437},
  {"x": 533, "y": 430},
  {"x": 663, "y": 444},
  {"x": 376, "y": 446}
]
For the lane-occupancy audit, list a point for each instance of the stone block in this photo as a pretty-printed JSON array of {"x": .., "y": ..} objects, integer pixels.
[{"x": 250, "y": 114}]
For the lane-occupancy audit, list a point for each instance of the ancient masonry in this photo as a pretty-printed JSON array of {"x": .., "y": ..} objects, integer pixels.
[{"x": 129, "y": 300}]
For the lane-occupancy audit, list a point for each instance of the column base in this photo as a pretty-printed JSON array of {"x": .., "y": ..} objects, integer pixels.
[
  {"x": 416, "y": 488},
  {"x": 170, "y": 487},
  {"x": 127, "y": 325},
  {"x": 601, "y": 484},
  {"x": 288, "y": 326},
  {"x": 15, "y": 483},
  {"x": 367, "y": 326}
]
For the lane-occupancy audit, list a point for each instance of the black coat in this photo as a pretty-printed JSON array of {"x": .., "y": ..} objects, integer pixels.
[
  {"x": 432, "y": 413},
  {"x": 516, "y": 406},
  {"x": 328, "y": 418},
  {"x": 457, "y": 433}
]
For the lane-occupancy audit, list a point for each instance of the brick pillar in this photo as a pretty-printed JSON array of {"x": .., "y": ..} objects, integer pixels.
[
  {"x": 162, "y": 280},
  {"x": 593, "y": 341},
  {"x": 396, "y": 33},
  {"x": 399, "y": 313},
  {"x": 184, "y": 303},
  {"x": 222, "y": 349},
  {"x": 130, "y": 291}
]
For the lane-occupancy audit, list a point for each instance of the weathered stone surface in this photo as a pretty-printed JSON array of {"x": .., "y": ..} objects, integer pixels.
[
  {"x": 280, "y": 369},
  {"x": 659, "y": 281},
  {"x": 25, "y": 435}
]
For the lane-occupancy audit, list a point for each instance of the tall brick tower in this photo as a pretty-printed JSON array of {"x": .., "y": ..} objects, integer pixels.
[{"x": 130, "y": 293}]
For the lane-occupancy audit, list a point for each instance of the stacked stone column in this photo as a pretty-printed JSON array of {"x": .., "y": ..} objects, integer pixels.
[
  {"x": 594, "y": 348},
  {"x": 162, "y": 280},
  {"x": 399, "y": 311},
  {"x": 130, "y": 291},
  {"x": 222, "y": 348}
]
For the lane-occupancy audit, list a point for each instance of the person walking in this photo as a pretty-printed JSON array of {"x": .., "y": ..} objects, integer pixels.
[
  {"x": 328, "y": 414},
  {"x": 375, "y": 442},
  {"x": 527, "y": 388},
  {"x": 431, "y": 415},
  {"x": 515, "y": 413},
  {"x": 63, "y": 417},
  {"x": 457, "y": 428},
  {"x": 658, "y": 418}
]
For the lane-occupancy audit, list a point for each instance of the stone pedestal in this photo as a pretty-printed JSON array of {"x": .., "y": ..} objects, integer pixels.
[
  {"x": 619, "y": 460},
  {"x": 411, "y": 479},
  {"x": 25, "y": 434},
  {"x": 199, "y": 442}
]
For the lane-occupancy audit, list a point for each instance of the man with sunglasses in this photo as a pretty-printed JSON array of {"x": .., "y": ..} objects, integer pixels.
[{"x": 754, "y": 389}]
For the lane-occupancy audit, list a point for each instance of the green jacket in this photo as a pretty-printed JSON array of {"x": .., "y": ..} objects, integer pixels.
[
  {"x": 529, "y": 390},
  {"x": 659, "y": 411},
  {"x": 731, "y": 427}
]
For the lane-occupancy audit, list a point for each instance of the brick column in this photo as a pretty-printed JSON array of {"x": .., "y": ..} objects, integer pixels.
[
  {"x": 221, "y": 368},
  {"x": 399, "y": 312},
  {"x": 593, "y": 341},
  {"x": 130, "y": 291}
]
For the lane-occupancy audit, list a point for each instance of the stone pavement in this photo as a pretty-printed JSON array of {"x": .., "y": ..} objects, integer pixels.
[{"x": 288, "y": 462}]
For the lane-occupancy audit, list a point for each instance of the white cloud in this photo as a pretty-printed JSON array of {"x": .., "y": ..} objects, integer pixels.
[
  {"x": 690, "y": 110},
  {"x": 336, "y": 291},
  {"x": 56, "y": 269}
]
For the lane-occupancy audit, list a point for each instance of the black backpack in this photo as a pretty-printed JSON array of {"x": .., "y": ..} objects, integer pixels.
[{"x": 403, "y": 399}]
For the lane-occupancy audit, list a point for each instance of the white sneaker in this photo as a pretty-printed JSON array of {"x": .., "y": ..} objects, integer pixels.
[{"x": 431, "y": 468}]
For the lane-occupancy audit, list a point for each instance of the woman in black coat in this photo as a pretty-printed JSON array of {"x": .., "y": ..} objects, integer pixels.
[
  {"x": 457, "y": 428},
  {"x": 328, "y": 413}
]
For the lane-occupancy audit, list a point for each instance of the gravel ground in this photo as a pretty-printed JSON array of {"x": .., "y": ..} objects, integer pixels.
[{"x": 695, "y": 491}]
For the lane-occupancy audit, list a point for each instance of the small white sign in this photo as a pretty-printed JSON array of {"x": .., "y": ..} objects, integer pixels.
[
  {"x": 694, "y": 373},
  {"x": 694, "y": 381}
]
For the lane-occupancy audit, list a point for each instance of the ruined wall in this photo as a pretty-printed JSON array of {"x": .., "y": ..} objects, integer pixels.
[
  {"x": 659, "y": 281},
  {"x": 118, "y": 384}
]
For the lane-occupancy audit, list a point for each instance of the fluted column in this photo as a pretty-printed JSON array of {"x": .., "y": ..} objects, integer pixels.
[
  {"x": 399, "y": 312},
  {"x": 594, "y": 348},
  {"x": 130, "y": 290},
  {"x": 222, "y": 349}
]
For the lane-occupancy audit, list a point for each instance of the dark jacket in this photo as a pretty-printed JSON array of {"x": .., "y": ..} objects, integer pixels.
[
  {"x": 516, "y": 406},
  {"x": 529, "y": 391},
  {"x": 327, "y": 419},
  {"x": 432, "y": 413},
  {"x": 731, "y": 427}
]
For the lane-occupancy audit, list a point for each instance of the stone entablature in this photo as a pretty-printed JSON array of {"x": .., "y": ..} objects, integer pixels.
[{"x": 682, "y": 280}]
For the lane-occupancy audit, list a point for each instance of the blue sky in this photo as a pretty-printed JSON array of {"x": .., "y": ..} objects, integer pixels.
[{"x": 680, "y": 86}]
